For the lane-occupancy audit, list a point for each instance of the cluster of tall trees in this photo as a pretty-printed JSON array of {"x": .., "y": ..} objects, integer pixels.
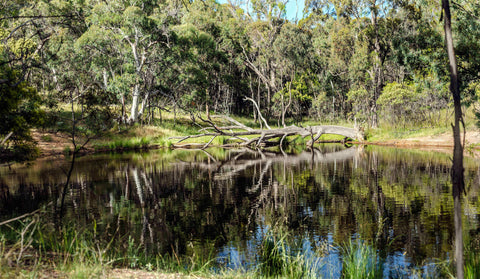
[{"x": 369, "y": 60}]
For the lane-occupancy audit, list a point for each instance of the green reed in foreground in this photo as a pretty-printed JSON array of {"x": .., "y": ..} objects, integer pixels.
[
  {"x": 472, "y": 264},
  {"x": 33, "y": 247},
  {"x": 30, "y": 245},
  {"x": 277, "y": 259},
  {"x": 360, "y": 261}
]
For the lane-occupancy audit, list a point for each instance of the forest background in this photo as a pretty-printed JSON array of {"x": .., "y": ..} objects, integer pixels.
[{"x": 86, "y": 66}]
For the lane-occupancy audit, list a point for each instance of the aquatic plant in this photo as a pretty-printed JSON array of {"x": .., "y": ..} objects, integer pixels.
[
  {"x": 472, "y": 264},
  {"x": 360, "y": 260},
  {"x": 279, "y": 258},
  {"x": 273, "y": 256}
]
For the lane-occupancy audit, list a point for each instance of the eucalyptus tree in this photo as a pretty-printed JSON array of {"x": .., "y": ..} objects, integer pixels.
[
  {"x": 22, "y": 39},
  {"x": 382, "y": 25},
  {"x": 133, "y": 35},
  {"x": 466, "y": 14},
  {"x": 341, "y": 51},
  {"x": 205, "y": 62},
  {"x": 263, "y": 27},
  {"x": 364, "y": 45},
  {"x": 292, "y": 50}
]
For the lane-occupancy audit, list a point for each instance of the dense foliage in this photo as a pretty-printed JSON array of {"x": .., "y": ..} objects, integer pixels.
[{"x": 373, "y": 61}]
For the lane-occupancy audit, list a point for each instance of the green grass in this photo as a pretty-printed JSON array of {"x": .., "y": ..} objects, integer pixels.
[
  {"x": 47, "y": 138},
  {"x": 33, "y": 247},
  {"x": 384, "y": 134},
  {"x": 124, "y": 137},
  {"x": 335, "y": 122},
  {"x": 412, "y": 129},
  {"x": 361, "y": 260},
  {"x": 472, "y": 264},
  {"x": 123, "y": 144},
  {"x": 278, "y": 258}
]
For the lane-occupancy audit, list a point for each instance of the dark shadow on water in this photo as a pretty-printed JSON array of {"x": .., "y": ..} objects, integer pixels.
[
  {"x": 458, "y": 191},
  {"x": 221, "y": 203}
]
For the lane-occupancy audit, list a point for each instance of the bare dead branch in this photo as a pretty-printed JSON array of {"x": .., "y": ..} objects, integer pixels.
[
  {"x": 24, "y": 215},
  {"x": 6, "y": 138},
  {"x": 233, "y": 121},
  {"x": 258, "y": 110},
  {"x": 208, "y": 143}
]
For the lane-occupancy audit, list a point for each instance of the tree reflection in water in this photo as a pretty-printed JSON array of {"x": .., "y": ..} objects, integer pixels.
[{"x": 222, "y": 202}]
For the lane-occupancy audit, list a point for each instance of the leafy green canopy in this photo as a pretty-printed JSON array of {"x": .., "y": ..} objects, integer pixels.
[{"x": 19, "y": 102}]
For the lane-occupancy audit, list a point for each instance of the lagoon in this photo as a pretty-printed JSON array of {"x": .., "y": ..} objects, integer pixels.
[{"x": 221, "y": 204}]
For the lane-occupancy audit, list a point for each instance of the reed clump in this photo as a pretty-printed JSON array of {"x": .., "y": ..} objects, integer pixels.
[
  {"x": 361, "y": 260},
  {"x": 281, "y": 257},
  {"x": 33, "y": 247}
]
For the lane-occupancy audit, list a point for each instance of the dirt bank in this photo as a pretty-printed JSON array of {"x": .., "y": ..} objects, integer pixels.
[
  {"x": 444, "y": 140},
  {"x": 51, "y": 144}
]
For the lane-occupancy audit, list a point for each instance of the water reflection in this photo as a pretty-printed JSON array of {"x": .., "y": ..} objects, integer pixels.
[
  {"x": 223, "y": 201},
  {"x": 458, "y": 187},
  {"x": 459, "y": 254}
]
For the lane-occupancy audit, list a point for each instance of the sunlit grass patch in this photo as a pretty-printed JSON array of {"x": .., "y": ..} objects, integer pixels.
[
  {"x": 385, "y": 133},
  {"x": 412, "y": 129},
  {"x": 82, "y": 270},
  {"x": 334, "y": 122},
  {"x": 123, "y": 144},
  {"x": 331, "y": 137}
]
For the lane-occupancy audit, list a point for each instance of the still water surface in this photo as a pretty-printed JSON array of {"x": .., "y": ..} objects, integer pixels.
[{"x": 223, "y": 202}]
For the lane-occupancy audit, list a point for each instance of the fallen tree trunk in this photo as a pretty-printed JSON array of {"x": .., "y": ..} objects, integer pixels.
[{"x": 242, "y": 133}]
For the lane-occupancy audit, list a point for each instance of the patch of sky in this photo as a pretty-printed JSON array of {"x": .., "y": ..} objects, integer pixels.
[
  {"x": 237, "y": 258},
  {"x": 293, "y": 8},
  {"x": 398, "y": 265}
]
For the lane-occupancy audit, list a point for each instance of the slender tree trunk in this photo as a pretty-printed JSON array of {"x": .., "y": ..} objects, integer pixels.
[
  {"x": 207, "y": 109},
  {"x": 123, "y": 109},
  {"x": 377, "y": 71},
  {"x": 259, "y": 103},
  {"x": 105, "y": 79},
  {"x": 74, "y": 154},
  {"x": 175, "y": 113},
  {"x": 285, "y": 107},
  {"x": 272, "y": 85},
  {"x": 283, "y": 112},
  {"x": 333, "y": 103},
  {"x": 135, "y": 101},
  {"x": 457, "y": 168},
  {"x": 144, "y": 104}
]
